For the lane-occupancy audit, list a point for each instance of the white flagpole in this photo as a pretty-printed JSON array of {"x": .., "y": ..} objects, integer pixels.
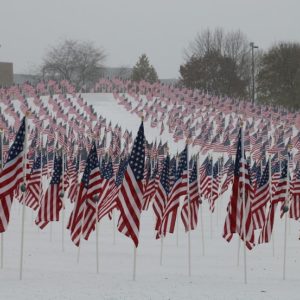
[
  {"x": 286, "y": 208},
  {"x": 201, "y": 209},
  {"x": 238, "y": 252},
  {"x": 97, "y": 238},
  {"x": 1, "y": 167},
  {"x": 211, "y": 187},
  {"x": 244, "y": 206},
  {"x": 23, "y": 204},
  {"x": 270, "y": 192},
  {"x": 114, "y": 227},
  {"x": 134, "y": 262},
  {"x": 63, "y": 205},
  {"x": 177, "y": 232},
  {"x": 189, "y": 213},
  {"x": 177, "y": 223},
  {"x": 161, "y": 248}
]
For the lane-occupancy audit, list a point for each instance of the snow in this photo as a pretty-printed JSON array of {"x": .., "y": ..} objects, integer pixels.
[{"x": 50, "y": 273}]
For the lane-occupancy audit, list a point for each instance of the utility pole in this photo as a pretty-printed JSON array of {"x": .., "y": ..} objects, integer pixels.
[{"x": 252, "y": 69}]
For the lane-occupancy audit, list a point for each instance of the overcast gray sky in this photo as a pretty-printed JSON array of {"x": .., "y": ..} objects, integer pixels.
[{"x": 127, "y": 28}]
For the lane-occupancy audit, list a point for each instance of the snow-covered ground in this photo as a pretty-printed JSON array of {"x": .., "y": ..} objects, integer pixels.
[{"x": 50, "y": 273}]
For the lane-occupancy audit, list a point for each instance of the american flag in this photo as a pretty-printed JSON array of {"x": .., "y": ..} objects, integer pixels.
[
  {"x": 239, "y": 217},
  {"x": 110, "y": 201},
  {"x": 93, "y": 195},
  {"x": 162, "y": 193},
  {"x": 279, "y": 196},
  {"x": 130, "y": 197},
  {"x": 151, "y": 188},
  {"x": 261, "y": 199},
  {"x": 12, "y": 176},
  {"x": 51, "y": 203},
  {"x": 229, "y": 175},
  {"x": 34, "y": 185},
  {"x": 190, "y": 207},
  {"x": 206, "y": 178},
  {"x": 77, "y": 216},
  {"x": 178, "y": 190},
  {"x": 215, "y": 187},
  {"x": 73, "y": 170},
  {"x": 106, "y": 204},
  {"x": 294, "y": 211}
]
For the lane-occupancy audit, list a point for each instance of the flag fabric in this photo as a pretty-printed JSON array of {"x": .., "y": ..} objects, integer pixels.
[
  {"x": 178, "y": 190},
  {"x": 130, "y": 196},
  {"x": 12, "y": 175},
  {"x": 109, "y": 202},
  {"x": 51, "y": 203},
  {"x": 93, "y": 195},
  {"x": 34, "y": 185},
  {"x": 73, "y": 170},
  {"x": 206, "y": 179},
  {"x": 162, "y": 193},
  {"x": 262, "y": 197},
  {"x": 215, "y": 187},
  {"x": 76, "y": 220},
  {"x": 151, "y": 188},
  {"x": 190, "y": 207},
  {"x": 239, "y": 210},
  {"x": 280, "y": 196},
  {"x": 294, "y": 212}
]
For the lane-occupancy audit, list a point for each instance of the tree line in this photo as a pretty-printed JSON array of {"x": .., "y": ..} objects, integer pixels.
[{"x": 216, "y": 61}]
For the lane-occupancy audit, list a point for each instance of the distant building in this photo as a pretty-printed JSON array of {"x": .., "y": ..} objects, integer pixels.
[
  {"x": 6, "y": 74},
  {"x": 22, "y": 78}
]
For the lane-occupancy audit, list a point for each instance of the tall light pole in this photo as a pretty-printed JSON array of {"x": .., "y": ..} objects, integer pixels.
[{"x": 253, "y": 77}]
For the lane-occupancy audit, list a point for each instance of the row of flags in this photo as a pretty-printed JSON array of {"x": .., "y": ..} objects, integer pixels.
[
  {"x": 100, "y": 192},
  {"x": 136, "y": 176}
]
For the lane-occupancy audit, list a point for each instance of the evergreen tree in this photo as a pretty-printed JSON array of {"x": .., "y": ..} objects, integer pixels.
[{"x": 144, "y": 71}]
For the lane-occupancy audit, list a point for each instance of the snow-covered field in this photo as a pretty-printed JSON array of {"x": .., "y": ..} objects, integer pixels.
[{"x": 50, "y": 273}]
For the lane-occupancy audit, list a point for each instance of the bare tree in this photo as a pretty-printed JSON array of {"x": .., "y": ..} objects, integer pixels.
[
  {"x": 77, "y": 61},
  {"x": 233, "y": 45}
]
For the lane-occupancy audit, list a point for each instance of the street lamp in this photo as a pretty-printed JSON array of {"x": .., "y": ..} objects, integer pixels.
[{"x": 253, "y": 79}]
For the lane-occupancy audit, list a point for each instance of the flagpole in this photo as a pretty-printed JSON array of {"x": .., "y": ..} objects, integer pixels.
[
  {"x": 238, "y": 254},
  {"x": 286, "y": 208},
  {"x": 24, "y": 189},
  {"x": 177, "y": 223},
  {"x": 1, "y": 167},
  {"x": 161, "y": 248},
  {"x": 134, "y": 262},
  {"x": 244, "y": 206},
  {"x": 270, "y": 192},
  {"x": 211, "y": 188},
  {"x": 97, "y": 238},
  {"x": 189, "y": 212},
  {"x": 63, "y": 204},
  {"x": 201, "y": 209},
  {"x": 114, "y": 227}
]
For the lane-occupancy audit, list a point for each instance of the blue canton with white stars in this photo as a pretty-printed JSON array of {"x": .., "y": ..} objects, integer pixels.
[
  {"x": 57, "y": 170},
  {"x": 91, "y": 163},
  {"x": 182, "y": 166},
  {"x": 17, "y": 146},
  {"x": 137, "y": 156},
  {"x": 216, "y": 170},
  {"x": 121, "y": 171},
  {"x": 265, "y": 176},
  {"x": 284, "y": 169},
  {"x": 107, "y": 172},
  {"x": 164, "y": 178},
  {"x": 193, "y": 174},
  {"x": 37, "y": 163}
]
